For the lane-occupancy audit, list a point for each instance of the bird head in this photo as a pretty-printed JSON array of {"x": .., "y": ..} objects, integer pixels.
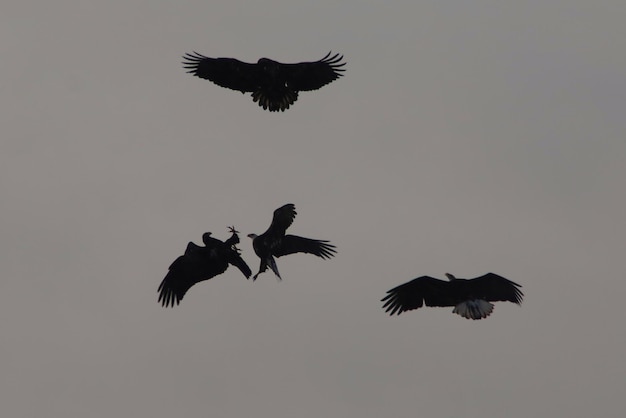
[
  {"x": 252, "y": 236},
  {"x": 450, "y": 277},
  {"x": 206, "y": 237}
]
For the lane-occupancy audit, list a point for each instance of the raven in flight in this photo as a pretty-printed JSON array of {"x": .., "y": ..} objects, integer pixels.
[
  {"x": 470, "y": 297},
  {"x": 273, "y": 84},
  {"x": 199, "y": 264},
  {"x": 274, "y": 243}
]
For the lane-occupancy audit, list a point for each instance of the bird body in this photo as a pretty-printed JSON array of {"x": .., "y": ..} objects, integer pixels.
[
  {"x": 273, "y": 85},
  {"x": 200, "y": 263},
  {"x": 275, "y": 243},
  {"x": 471, "y": 298}
]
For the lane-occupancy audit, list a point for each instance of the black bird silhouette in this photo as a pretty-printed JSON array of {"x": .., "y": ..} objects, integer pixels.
[
  {"x": 470, "y": 297},
  {"x": 273, "y": 84},
  {"x": 274, "y": 243},
  {"x": 199, "y": 264}
]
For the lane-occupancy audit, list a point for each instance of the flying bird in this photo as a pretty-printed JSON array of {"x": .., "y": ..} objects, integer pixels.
[
  {"x": 471, "y": 298},
  {"x": 200, "y": 263},
  {"x": 274, "y": 243},
  {"x": 273, "y": 85}
]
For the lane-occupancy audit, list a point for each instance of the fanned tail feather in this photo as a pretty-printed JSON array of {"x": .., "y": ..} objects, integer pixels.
[
  {"x": 474, "y": 309},
  {"x": 275, "y": 104}
]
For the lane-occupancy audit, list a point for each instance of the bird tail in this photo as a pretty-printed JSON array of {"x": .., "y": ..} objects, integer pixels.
[
  {"x": 271, "y": 262},
  {"x": 474, "y": 309},
  {"x": 275, "y": 101}
]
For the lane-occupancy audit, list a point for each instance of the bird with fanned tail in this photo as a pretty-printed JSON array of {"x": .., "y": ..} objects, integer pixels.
[
  {"x": 471, "y": 298},
  {"x": 273, "y": 85}
]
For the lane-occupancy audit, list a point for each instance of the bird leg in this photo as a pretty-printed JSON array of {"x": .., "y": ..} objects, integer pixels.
[{"x": 234, "y": 239}]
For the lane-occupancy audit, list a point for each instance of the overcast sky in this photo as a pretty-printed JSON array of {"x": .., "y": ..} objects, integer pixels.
[{"x": 466, "y": 137}]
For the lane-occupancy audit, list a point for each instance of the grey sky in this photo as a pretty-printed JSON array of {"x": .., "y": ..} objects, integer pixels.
[{"x": 466, "y": 137}]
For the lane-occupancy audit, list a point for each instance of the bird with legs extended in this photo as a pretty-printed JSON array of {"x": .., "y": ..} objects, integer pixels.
[
  {"x": 200, "y": 263},
  {"x": 275, "y": 243}
]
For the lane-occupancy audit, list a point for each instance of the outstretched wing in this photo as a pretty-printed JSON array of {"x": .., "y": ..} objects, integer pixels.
[
  {"x": 414, "y": 294},
  {"x": 493, "y": 287},
  {"x": 306, "y": 76},
  {"x": 283, "y": 218},
  {"x": 186, "y": 271},
  {"x": 225, "y": 72},
  {"x": 291, "y": 244}
]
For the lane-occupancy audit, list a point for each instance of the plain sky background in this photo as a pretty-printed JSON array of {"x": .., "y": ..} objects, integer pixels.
[{"x": 465, "y": 137}]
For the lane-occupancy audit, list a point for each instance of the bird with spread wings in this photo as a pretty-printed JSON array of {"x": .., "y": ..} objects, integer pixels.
[
  {"x": 471, "y": 298},
  {"x": 275, "y": 243},
  {"x": 200, "y": 263},
  {"x": 273, "y": 85}
]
